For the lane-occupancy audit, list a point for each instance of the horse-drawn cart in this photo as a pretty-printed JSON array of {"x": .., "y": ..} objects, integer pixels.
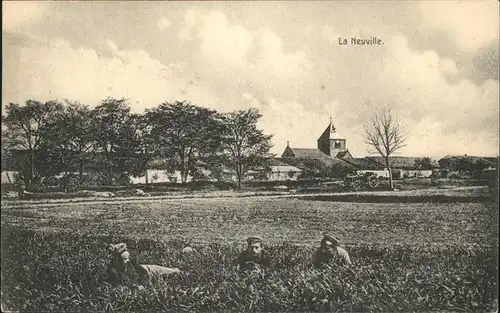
[{"x": 358, "y": 181}]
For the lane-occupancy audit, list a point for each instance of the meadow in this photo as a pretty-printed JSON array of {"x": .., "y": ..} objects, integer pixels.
[{"x": 407, "y": 256}]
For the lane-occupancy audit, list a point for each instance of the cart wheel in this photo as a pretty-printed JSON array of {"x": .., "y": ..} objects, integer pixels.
[
  {"x": 373, "y": 181},
  {"x": 357, "y": 183},
  {"x": 51, "y": 181},
  {"x": 72, "y": 185},
  {"x": 88, "y": 181},
  {"x": 123, "y": 180},
  {"x": 101, "y": 180}
]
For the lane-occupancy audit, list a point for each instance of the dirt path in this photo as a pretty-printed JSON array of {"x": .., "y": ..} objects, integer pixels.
[{"x": 460, "y": 192}]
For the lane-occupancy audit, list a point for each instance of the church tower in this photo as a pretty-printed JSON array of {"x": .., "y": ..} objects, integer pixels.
[{"x": 330, "y": 142}]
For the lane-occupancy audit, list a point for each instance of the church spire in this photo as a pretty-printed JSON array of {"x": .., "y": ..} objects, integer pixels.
[{"x": 332, "y": 127}]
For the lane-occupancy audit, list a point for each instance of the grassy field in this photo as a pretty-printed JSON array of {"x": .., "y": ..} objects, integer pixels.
[{"x": 407, "y": 257}]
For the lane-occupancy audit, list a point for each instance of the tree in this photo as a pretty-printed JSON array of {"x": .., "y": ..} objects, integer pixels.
[
  {"x": 246, "y": 147},
  {"x": 110, "y": 122},
  {"x": 385, "y": 133},
  {"x": 68, "y": 138},
  {"x": 424, "y": 163},
  {"x": 478, "y": 166},
  {"x": 24, "y": 126},
  {"x": 140, "y": 144},
  {"x": 339, "y": 170},
  {"x": 188, "y": 135}
]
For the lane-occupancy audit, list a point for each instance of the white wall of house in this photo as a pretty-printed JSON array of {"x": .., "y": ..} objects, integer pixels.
[
  {"x": 159, "y": 176},
  {"x": 8, "y": 177},
  {"x": 416, "y": 173},
  {"x": 409, "y": 173},
  {"x": 281, "y": 173},
  {"x": 379, "y": 173}
]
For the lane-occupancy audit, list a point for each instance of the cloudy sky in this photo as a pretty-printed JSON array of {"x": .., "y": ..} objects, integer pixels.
[{"x": 437, "y": 67}]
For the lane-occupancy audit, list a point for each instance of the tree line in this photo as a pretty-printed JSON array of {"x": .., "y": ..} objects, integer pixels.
[{"x": 57, "y": 136}]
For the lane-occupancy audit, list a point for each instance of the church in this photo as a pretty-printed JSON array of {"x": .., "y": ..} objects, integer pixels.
[
  {"x": 332, "y": 149},
  {"x": 330, "y": 145}
]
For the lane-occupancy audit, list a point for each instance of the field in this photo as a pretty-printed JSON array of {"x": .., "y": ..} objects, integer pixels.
[{"x": 407, "y": 256}]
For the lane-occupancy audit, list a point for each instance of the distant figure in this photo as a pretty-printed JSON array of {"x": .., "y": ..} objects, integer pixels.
[
  {"x": 255, "y": 256},
  {"x": 120, "y": 260},
  {"x": 330, "y": 252}
]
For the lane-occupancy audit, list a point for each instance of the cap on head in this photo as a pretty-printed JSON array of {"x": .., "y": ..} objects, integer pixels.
[
  {"x": 119, "y": 248},
  {"x": 254, "y": 239},
  {"x": 331, "y": 239}
]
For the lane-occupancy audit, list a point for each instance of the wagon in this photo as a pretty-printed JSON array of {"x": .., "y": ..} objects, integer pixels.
[
  {"x": 69, "y": 181},
  {"x": 358, "y": 181}
]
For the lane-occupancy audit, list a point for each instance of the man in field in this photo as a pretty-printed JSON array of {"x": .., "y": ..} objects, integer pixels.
[
  {"x": 255, "y": 256},
  {"x": 330, "y": 252}
]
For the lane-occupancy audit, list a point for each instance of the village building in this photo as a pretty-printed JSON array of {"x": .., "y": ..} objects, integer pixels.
[
  {"x": 294, "y": 164},
  {"x": 280, "y": 171},
  {"x": 330, "y": 145},
  {"x": 466, "y": 166},
  {"x": 332, "y": 149},
  {"x": 466, "y": 162}
]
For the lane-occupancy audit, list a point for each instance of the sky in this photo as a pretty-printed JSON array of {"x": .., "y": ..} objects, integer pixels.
[{"x": 437, "y": 65}]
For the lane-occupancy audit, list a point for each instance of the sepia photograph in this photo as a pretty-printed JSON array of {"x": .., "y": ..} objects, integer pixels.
[{"x": 250, "y": 156}]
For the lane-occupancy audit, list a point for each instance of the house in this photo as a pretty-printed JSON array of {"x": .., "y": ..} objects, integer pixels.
[
  {"x": 281, "y": 171},
  {"x": 466, "y": 166},
  {"x": 9, "y": 177},
  {"x": 303, "y": 153},
  {"x": 364, "y": 165},
  {"x": 404, "y": 166},
  {"x": 466, "y": 162}
]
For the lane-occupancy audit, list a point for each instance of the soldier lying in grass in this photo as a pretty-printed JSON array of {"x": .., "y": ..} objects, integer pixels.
[
  {"x": 120, "y": 260},
  {"x": 255, "y": 256},
  {"x": 330, "y": 252}
]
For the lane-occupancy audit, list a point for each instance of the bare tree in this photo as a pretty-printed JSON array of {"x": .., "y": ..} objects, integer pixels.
[{"x": 385, "y": 133}]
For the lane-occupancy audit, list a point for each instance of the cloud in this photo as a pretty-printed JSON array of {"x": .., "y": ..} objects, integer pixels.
[
  {"x": 61, "y": 70},
  {"x": 329, "y": 34},
  {"x": 19, "y": 14},
  {"x": 221, "y": 41},
  {"x": 452, "y": 17},
  {"x": 191, "y": 17},
  {"x": 426, "y": 90},
  {"x": 164, "y": 23},
  {"x": 433, "y": 100},
  {"x": 224, "y": 44},
  {"x": 296, "y": 76},
  {"x": 243, "y": 57},
  {"x": 184, "y": 33}
]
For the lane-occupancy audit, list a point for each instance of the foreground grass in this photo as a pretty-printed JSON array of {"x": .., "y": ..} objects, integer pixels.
[
  {"x": 408, "y": 257},
  {"x": 43, "y": 272}
]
